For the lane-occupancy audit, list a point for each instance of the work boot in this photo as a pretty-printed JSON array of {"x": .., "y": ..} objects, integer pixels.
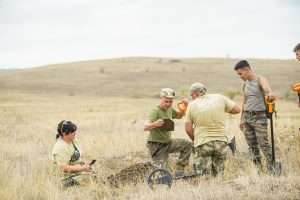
[
  {"x": 274, "y": 168},
  {"x": 179, "y": 171},
  {"x": 257, "y": 162}
]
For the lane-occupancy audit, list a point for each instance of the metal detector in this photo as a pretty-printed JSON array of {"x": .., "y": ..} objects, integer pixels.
[
  {"x": 274, "y": 167},
  {"x": 161, "y": 176}
]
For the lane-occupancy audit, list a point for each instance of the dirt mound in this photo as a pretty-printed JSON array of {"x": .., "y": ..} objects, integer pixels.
[{"x": 133, "y": 174}]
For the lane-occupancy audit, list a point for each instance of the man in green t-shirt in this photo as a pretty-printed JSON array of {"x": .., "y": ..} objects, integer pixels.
[
  {"x": 205, "y": 125},
  {"x": 159, "y": 142}
]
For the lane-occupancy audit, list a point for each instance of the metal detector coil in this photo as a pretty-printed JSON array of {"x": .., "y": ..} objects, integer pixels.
[{"x": 160, "y": 176}]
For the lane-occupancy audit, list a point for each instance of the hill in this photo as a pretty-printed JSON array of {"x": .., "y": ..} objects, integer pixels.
[
  {"x": 144, "y": 77},
  {"x": 109, "y": 101}
]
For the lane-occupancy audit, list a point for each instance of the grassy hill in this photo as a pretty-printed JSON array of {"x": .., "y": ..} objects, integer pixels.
[
  {"x": 109, "y": 101},
  {"x": 144, "y": 77}
]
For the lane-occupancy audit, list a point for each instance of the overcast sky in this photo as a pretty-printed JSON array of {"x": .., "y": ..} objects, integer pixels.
[{"x": 41, "y": 32}]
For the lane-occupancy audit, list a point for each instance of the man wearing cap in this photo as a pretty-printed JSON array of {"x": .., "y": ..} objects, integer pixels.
[
  {"x": 159, "y": 142},
  {"x": 205, "y": 125}
]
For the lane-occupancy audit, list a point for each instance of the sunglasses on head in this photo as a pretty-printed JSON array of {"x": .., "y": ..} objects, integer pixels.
[
  {"x": 169, "y": 93},
  {"x": 64, "y": 123}
]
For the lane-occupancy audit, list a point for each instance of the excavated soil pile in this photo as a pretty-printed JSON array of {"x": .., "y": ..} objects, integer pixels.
[{"x": 133, "y": 174}]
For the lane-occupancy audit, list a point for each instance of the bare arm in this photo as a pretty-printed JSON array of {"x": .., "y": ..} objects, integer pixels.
[
  {"x": 235, "y": 110},
  {"x": 243, "y": 106},
  {"x": 189, "y": 130},
  {"x": 151, "y": 125},
  {"x": 244, "y": 102},
  {"x": 266, "y": 87},
  {"x": 180, "y": 115},
  {"x": 75, "y": 168}
]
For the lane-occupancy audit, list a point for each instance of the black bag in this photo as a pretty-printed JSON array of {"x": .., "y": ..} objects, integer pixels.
[{"x": 168, "y": 125}]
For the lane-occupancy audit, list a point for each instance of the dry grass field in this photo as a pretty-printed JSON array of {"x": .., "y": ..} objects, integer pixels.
[{"x": 109, "y": 101}]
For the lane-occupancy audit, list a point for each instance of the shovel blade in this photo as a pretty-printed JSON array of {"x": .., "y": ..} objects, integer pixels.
[{"x": 275, "y": 169}]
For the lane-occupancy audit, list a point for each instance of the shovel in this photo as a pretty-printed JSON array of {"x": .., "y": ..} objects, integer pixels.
[{"x": 274, "y": 167}]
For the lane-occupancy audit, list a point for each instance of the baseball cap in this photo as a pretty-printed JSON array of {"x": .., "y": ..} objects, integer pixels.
[
  {"x": 167, "y": 92},
  {"x": 198, "y": 87}
]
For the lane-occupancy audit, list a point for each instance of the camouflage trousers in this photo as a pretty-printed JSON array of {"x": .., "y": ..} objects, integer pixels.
[
  {"x": 78, "y": 179},
  {"x": 159, "y": 152},
  {"x": 255, "y": 128},
  {"x": 210, "y": 157}
]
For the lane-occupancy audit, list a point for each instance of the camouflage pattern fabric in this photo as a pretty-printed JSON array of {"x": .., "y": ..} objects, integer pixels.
[
  {"x": 79, "y": 179},
  {"x": 255, "y": 128},
  {"x": 159, "y": 152},
  {"x": 210, "y": 157}
]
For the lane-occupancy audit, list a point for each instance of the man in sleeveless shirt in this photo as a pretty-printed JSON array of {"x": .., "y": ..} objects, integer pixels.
[
  {"x": 159, "y": 142},
  {"x": 205, "y": 125},
  {"x": 254, "y": 123}
]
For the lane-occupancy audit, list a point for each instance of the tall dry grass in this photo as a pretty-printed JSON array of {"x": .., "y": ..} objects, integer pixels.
[
  {"x": 109, "y": 101},
  {"x": 110, "y": 130}
]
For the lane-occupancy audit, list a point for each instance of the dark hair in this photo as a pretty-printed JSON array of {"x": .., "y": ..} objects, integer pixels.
[
  {"x": 241, "y": 64},
  {"x": 65, "y": 127},
  {"x": 297, "y": 47}
]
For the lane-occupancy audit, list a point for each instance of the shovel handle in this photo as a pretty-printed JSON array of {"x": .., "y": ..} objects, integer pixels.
[
  {"x": 270, "y": 104},
  {"x": 182, "y": 106}
]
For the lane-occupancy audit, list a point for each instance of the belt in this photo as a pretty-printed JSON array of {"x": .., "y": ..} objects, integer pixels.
[{"x": 252, "y": 112}]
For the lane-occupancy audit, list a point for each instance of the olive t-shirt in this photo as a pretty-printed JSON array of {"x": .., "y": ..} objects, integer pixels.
[
  {"x": 155, "y": 134},
  {"x": 62, "y": 153}
]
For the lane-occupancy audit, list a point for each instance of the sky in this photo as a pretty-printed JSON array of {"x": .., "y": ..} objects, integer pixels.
[{"x": 41, "y": 32}]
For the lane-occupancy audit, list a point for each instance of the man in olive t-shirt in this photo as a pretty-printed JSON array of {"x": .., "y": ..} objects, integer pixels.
[
  {"x": 159, "y": 142},
  {"x": 205, "y": 125}
]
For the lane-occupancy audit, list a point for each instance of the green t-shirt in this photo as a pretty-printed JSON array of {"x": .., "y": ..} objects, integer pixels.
[
  {"x": 155, "y": 134},
  {"x": 208, "y": 115}
]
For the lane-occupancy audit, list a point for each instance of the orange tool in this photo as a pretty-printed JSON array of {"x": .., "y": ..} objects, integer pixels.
[
  {"x": 182, "y": 106},
  {"x": 271, "y": 105},
  {"x": 296, "y": 87}
]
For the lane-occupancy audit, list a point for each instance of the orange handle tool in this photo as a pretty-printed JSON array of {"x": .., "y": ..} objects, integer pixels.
[
  {"x": 296, "y": 87},
  {"x": 182, "y": 106},
  {"x": 270, "y": 104}
]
